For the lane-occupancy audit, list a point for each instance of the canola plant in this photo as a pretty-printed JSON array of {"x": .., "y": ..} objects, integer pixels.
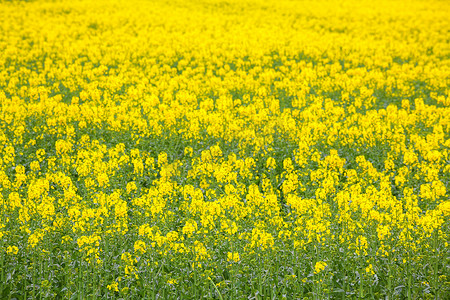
[{"x": 236, "y": 149}]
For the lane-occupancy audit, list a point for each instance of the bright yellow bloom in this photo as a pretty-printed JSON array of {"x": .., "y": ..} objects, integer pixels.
[
  {"x": 190, "y": 227},
  {"x": 140, "y": 247},
  {"x": 113, "y": 287},
  {"x": 12, "y": 250},
  {"x": 319, "y": 267},
  {"x": 233, "y": 257},
  {"x": 131, "y": 186}
]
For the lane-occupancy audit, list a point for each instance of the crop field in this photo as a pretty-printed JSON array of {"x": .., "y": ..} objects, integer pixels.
[{"x": 234, "y": 149}]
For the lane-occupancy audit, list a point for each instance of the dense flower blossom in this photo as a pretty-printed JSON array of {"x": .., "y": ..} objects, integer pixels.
[{"x": 188, "y": 149}]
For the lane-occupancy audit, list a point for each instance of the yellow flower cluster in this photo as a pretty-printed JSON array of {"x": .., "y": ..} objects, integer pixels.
[
  {"x": 319, "y": 267},
  {"x": 89, "y": 245},
  {"x": 233, "y": 257}
]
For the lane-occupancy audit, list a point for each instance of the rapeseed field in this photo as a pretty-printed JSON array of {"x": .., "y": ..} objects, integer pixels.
[{"x": 233, "y": 149}]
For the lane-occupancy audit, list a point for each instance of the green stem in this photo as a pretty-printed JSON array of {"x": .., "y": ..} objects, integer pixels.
[
  {"x": 34, "y": 276},
  {"x": 408, "y": 268},
  {"x": 93, "y": 280},
  {"x": 361, "y": 280},
  {"x": 389, "y": 278},
  {"x": 80, "y": 281},
  {"x": 2, "y": 267},
  {"x": 195, "y": 281},
  {"x": 435, "y": 265},
  {"x": 40, "y": 272},
  {"x": 215, "y": 287}
]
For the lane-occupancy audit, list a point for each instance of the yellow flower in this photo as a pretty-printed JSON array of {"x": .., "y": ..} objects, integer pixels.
[
  {"x": 271, "y": 164},
  {"x": 140, "y": 247},
  {"x": 35, "y": 166},
  {"x": 200, "y": 251},
  {"x": 261, "y": 239},
  {"x": 35, "y": 238},
  {"x": 319, "y": 267},
  {"x": 131, "y": 187},
  {"x": 65, "y": 239},
  {"x": 12, "y": 250},
  {"x": 128, "y": 258},
  {"x": 63, "y": 146},
  {"x": 14, "y": 200},
  {"x": 190, "y": 227},
  {"x": 233, "y": 257},
  {"x": 103, "y": 179},
  {"x": 113, "y": 287},
  {"x": 40, "y": 153},
  {"x": 188, "y": 151},
  {"x": 162, "y": 159},
  {"x": 369, "y": 270}
]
